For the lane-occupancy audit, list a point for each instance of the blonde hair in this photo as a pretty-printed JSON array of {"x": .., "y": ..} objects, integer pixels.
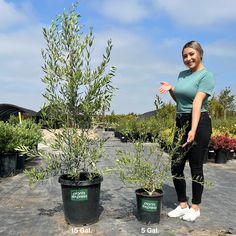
[{"x": 195, "y": 45}]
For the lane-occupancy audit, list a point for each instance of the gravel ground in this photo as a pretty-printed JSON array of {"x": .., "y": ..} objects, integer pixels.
[{"x": 39, "y": 211}]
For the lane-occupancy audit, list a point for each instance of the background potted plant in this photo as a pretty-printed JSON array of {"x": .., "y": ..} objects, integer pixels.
[
  {"x": 13, "y": 135},
  {"x": 232, "y": 148},
  {"x": 222, "y": 143},
  {"x": 75, "y": 94},
  {"x": 29, "y": 134},
  {"x": 8, "y": 154}
]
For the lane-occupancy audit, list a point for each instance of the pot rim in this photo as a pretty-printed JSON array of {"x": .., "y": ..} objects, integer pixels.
[
  {"x": 140, "y": 191},
  {"x": 65, "y": 180}
]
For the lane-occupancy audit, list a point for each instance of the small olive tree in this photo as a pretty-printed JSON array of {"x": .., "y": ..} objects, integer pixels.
[
  {"x": 146, "y": 165},
  {"x": 76, "y": 92}
]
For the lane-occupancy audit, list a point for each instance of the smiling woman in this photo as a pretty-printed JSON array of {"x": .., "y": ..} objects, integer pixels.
[{"x": 191, "y": 93}]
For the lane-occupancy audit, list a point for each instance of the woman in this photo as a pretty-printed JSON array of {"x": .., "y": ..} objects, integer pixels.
[{"x": 191, "y": 93}]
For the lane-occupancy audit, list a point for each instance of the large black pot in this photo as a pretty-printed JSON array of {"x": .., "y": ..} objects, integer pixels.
[
  {"x": 81, "y": 198},
  {"x": 149, "y": 207},
  {"x": 8, "y": 164}
]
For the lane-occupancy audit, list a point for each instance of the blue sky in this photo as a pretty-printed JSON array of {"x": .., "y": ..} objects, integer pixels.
[{"x": 147, "y": 37}]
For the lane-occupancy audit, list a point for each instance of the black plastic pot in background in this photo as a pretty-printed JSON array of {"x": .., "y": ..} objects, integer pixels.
[
  {"x": 230, "y": 155},
  {"x": 205, "y": 157},
  {"x": 211, "y": 154},
  {"x": 117, "y": 134},
  {"x": 221, "y": 156},
  {"x": 134, "y": 136},
  {"x": 123, "y": 138},
  {"x": 150, "y": 137},
  {"x": 109, "y": 129},
  {"x": 149, "y": 207},
  {"x": 20, "y": 162},
  {"x": 81, "y": 199},
  {"x": 8, "y": 164}
]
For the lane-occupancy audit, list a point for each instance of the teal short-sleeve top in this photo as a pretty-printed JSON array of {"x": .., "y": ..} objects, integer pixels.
[{"x": 187, "y": 86}]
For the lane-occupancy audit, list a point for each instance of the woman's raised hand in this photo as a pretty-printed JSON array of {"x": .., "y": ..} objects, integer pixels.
[{"x": 165, "y": 87}]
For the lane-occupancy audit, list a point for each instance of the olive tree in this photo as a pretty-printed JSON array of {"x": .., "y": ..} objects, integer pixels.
[{"x": 75, "y": 91}]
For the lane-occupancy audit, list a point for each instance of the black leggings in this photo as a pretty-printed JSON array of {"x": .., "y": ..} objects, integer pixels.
[{"x": 195, "y": 155}]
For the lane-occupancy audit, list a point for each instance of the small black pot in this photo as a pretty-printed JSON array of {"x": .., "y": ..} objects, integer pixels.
[
  {"x": 230, "y": 154},
  {"x": 205, "y": 157},
  {"x": 211, "y": 154},
  {"x": 109, "y": 129},
  {"x": 221, "y": 156},
  {"x": 20, "y": 162},
  {"x": 123, "y": 138},
  {"x": 81, "y": 198},
  {"x": 8, "y": 164},
  {"x": 117, "y": 134},
  {"x": 149, "y": 137},
  {"x": 149, "y": 207}
]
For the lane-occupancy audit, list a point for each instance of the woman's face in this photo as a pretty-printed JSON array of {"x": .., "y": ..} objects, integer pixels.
[{"x": 192, "y": 59}]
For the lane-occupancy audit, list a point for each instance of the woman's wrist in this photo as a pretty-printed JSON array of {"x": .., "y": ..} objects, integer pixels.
[{"x": 193, "y": 130}]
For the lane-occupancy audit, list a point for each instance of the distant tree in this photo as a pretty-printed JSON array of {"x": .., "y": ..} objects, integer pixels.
[
  {"x": 215, "y": 108},
  {"x": 226, "y": 101}
]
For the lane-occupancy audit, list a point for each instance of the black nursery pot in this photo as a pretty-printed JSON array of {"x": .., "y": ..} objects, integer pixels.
[
  {"x": 8, "y": 164},
  {"x": 206, "y": 156},
  {"x": 149, "y": 207},
  {"x": 81, "y": 199},
  {"x": 230, "y": 154},
  {"x": 221, "y": 156},
  {"x": 20, "y": 162},
  {"x": 211, "y": 154}
]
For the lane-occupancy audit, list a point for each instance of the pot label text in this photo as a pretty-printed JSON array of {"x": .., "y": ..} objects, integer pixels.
[
  {"x": 149, "y": 205},
  {"x": 79, "y": 194}
]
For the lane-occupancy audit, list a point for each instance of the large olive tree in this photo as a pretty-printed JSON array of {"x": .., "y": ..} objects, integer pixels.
[{"x": 75, "y": 91}]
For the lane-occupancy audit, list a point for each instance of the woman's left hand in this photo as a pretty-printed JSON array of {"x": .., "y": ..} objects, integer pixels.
[{"x": 191, "y": 136}]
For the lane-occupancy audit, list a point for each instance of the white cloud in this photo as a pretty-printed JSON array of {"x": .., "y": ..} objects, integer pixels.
[
  {"x": 127, "y": 11},
  {"x": 21, "y": 59},
  {"x": 20, "y": 54},
  {"x": 199, "y": 13},
  {"x": 21, "y": 68},
  {"x": 137, "y": 58},
  {"x": 140, "y": 67},
  {"x": 222, "y": 49},
  {"x": 10, "y": 16}
]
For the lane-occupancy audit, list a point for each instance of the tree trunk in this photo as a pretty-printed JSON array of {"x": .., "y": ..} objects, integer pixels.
[{"x": 225, "y": 114}]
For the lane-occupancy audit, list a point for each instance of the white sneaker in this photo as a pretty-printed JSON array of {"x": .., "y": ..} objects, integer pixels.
[
  {"x": 192, "y": 215},
  {"x": 178, "y": 211}
]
